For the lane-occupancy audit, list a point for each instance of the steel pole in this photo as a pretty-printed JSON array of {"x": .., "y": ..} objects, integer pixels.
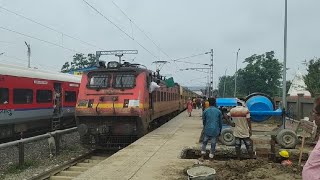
[
  {"x": 235, "y": 75},
  {"x": 208, "y": 84},
  {"x": 29, "y": 53},
  {"x": 224, "y": 83},
  {"x": 212, "y": 88},
  {"x": 284, "y": 83}
]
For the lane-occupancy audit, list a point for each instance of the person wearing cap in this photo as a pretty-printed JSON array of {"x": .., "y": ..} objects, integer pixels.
[
  {"x": 242, "y": 128},
  {"x": 212, "y": 125},
  {"x": 311, "y": 170},
  {"x": 284, "y": 158}
]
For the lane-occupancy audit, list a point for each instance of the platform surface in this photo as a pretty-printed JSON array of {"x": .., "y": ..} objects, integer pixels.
[{"x": 154, "y": 156}]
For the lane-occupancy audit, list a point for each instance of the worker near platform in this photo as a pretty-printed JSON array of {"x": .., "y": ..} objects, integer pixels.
[
  {"x": 198, "y": 102},
  {"x": 189, "y": 106},
  {"x": 205, "y": 104},
  {"x": 311, "y": 170},
  {"x": 194, "y": 104},
  {"x": 212, "y": 125},
  {"x": 284, "y": 158},
  {"x": 242, "y": 128}
]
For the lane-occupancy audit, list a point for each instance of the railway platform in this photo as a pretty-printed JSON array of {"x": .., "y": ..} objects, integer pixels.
[
  {"x": 154, "y": 156},
  {"x": 157, "y": 155}
]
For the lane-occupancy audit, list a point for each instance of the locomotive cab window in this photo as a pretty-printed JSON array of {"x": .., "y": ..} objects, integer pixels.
[
  {"x": 124, "y": 81},
  {"x": 70, "y": 96},
  {"x": 4, "y": 96},
  {"x": 22, "y": 96},
  {"x": 99, "y": 81},
  {"x": 44, "y": 96}
]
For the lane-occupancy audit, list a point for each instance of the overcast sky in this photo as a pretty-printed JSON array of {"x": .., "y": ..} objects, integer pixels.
[{"x": 180, "y": 27}]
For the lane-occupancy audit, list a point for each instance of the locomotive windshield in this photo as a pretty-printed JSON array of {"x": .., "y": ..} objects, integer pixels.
[
  {"x": 124, "y": 81},
  {"x": 99, "y": 81}
]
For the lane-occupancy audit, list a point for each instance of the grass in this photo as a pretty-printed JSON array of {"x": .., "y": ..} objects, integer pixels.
[{"x": 16, "y": 168}]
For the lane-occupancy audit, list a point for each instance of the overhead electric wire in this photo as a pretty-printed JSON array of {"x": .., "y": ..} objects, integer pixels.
[
  {"x": 179, "y": 59},
  {"x": 45, "y": 41},
  {"x": 141, "y": 30},
  {"x": 97, "y": 11},
  {"x": 188, "y": 62},
  {"x": 25, "y": 61},
  {"x": 131, "y": 36},
  {"x": 55, "y": 30}
]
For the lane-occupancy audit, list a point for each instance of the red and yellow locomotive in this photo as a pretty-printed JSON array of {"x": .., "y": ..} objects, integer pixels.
[{"x": 116, "y": 104}]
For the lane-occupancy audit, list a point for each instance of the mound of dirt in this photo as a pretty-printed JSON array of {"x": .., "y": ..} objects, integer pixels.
[{"x": 253, "y": 169}]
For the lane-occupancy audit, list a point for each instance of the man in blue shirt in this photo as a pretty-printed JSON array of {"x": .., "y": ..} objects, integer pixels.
[{"x": 212, "y": 125}]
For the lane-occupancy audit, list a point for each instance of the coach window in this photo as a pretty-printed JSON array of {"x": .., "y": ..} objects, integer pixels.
[
  {"x": 158, "y": 96},
  {"x": 154, "y": 96},
  {"x": 4, "y": 95},
  {"x": 70, "y": 96},
  {"x": 22, "y": 96},
  {"x": 44, "y": 96},
  {"x": 162, "y": 96}
]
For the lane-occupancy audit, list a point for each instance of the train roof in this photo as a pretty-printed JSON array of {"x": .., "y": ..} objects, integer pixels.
[{"x": 18, "y": 71}]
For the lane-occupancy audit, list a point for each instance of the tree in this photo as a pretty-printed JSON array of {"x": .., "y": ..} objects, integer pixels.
[
  {"x": 288, "y": 85},
  {"x": 79, "y": 61},
  {"x": 226, "y": 86},
  {"x": 91, "y": 60},
  {"x": 65, "y": 67},
  {"x": 312, "y": 79},
  {"x": 262, "y": 74}
]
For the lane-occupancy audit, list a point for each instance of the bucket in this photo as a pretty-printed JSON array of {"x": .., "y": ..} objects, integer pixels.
[{"x": 201, "y": 173}]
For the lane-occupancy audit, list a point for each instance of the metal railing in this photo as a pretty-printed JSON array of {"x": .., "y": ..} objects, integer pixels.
[{"x": 20, "y": 143}]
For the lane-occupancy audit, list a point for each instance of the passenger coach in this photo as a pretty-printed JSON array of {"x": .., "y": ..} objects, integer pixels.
[{"x": 32, "y": 99}]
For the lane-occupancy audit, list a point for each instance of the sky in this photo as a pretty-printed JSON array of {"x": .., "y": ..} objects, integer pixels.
[{"x": 179, "y": 28}]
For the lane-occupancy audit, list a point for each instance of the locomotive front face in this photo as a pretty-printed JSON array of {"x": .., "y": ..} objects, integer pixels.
[
  {"x": 111, "y": 103},
  {"x": 111, "y": 94}
]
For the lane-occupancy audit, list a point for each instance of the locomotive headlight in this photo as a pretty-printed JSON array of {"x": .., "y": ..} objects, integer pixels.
[{"x": 113, "y": 65}]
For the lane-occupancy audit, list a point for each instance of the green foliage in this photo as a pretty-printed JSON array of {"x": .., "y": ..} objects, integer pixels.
[
  {"x": 226, "y": 86},
  {"x": 91, "y": 60},
  {"x": 288, "y": 84},
  {"x": 79, "y": 61},
  {"x": 312, "y": 79},
  {"x": 261, "y": 74},
  {"x": 65, "y": 67},
  {"x": 15, "y": 169}
]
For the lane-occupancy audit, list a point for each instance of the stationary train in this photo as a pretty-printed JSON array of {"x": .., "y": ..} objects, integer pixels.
[
  {"x": 32, "y": 99},
  {"x": 116, "y": 106}
]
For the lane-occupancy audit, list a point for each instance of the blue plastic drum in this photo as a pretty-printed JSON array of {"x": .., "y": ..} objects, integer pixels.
[
  {"x": 261, "y": 107},
  {"x": 226, "y": 102}
]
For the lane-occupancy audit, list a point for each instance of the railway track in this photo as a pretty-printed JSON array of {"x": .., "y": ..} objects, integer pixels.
[{"x": 74, "y": 167}]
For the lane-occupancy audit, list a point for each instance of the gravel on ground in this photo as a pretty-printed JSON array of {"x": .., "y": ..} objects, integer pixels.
[{"x": 38, "y": 157}]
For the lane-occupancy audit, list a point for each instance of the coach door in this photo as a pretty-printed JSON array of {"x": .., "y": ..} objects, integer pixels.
[
  {"x": 57, "y": 112},
  {"x": 57, "y": 97}
]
